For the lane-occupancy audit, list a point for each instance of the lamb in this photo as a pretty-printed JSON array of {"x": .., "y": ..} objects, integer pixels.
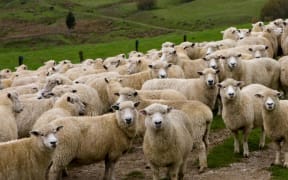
[
  {"x": 29, "y": 158},
  {"x": 264, "y": 71},
  {"x": 67, "y": 105},
  {"x": 32, "y": 110},
  {"x": 189, "y": 67},
  {"x": 130, "y": 94},
  {"x": 112, "y": 135},
  {"x": 241, "y": 111},
  {"x": 274, "y": 112},
  {"x": 9, "y": 107},
  {"x": 167, "y": 141},
  {"x": 202, "y": 89}
]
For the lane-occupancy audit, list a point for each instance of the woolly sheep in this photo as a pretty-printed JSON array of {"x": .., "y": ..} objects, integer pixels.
[
  {"x": 284, "y": 39},
  {"x": 9, "y": 107},
  {"x": 230, "y": 33},
  {"x": 111, "y": 63},
  {"x": 257, "y": 27},
  {"x": 67, "y": 105},
  {"x": 167, "y": 141},
  {"x": 163, "y": 69},
  {"x": 25, "y": 89},
  {"x": 194, "y": 50},
  {"x": 112, "y": 135},
  {"x": 5, "y": 73},
  {"x": 284, "y": 74},
  {"x": 241, "y": 111},
  {"x": 202, "y": 89},
  {"x": 264, "y": 71},
  {"x": 135, "y": 65},
  {"x": 274, "y": 112},
  {"x": 29, "y": 158},
  {"x": 217, "y": 45},
  {"x": 167, "y": 44}
]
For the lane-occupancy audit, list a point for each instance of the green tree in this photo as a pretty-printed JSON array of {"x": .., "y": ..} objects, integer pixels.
[
  {"x": 274, "y": 9},
  {"x": 70, "y": 20}
]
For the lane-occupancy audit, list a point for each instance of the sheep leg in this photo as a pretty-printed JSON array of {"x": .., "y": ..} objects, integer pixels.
[
  {"x": 246, "y": 133},
  {"x": 206, "y": 135},
  {"x": 236, "y": 141},
  {"x": 173, "y": 171},
  {"x": 109, "y": 169},
  {"x": 285, "y": 160},
  {"x": 182, "y": 170},
  {"x": 155, "y": 171},
  {"x": 277, "y": 155},
  {"x": 55, "y": 173},
  {"x": 262, "y": 139},
  {"x": 202, "y": 157}
]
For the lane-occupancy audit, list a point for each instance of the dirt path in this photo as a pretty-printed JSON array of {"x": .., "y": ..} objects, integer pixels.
[{"x": 132, "y": 166}]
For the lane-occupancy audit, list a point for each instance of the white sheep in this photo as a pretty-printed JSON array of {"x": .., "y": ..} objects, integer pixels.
[
  {"x": 284, "y": 74},
  {"x": 9, "y": 107},
  {"x": 230, "y": 33},
  {"x": 5, "y": 73},
  {"x": 168, "y": 140},
  {"x": 284, "y": 38},
  {"x": 29, "y": 158},
  {"x": 241, "y": 111},
  {"x": 202, "y": 89},
  {"x": 274, "y": 112},
  {"x": 67, "y": 105},
  {"x": 258, "y": 26},
  {"x": 111, "y": 137},
  {"x": 194, "y": 50}
]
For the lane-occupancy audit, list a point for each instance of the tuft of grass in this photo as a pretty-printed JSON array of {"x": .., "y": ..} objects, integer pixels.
[
  {"x": 134, "y": 175},
  {"x": 223, "y": 154},
  {"x": 278, "y": 173},
  {"x": 217, "y": 123}
]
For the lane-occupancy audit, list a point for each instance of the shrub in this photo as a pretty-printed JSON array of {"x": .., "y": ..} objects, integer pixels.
[
  {"x": 274, "y": 9},
  {"x": 146, "y": 4}
]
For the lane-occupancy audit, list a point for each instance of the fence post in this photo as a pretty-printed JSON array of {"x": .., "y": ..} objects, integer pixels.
[
  {"x": 185, "y": 38},
  {"x": 136, "y": 45},
  {"x": 20, "y": 60},
  {"x": 81, "y": 56}
]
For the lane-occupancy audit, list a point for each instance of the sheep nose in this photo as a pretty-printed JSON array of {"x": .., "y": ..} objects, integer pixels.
[
  {"x": 210, "y": 82},
  {"x": 53, "y": 143},
  {"x": 257, "y": 56},
  {"x": 270, "y": 104},
  {"x": 162, "y": 76},
  {"x": 241, "y": 38},
  {"x": 231, "y": 94},
  {"x": 158, "y": 122},
  {"x": 128, "y": 120},
  {"x": 214, "y": 67}
]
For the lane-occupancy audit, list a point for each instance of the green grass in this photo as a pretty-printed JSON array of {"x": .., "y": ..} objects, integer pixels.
[
  {"x": 217, "y": 123},
  {"x": 134, "y": 175},
  {"x": 223, "y": 154},
  {"x": 279, "y": 173}
]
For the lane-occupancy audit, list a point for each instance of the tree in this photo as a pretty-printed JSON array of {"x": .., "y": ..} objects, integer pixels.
[
  {"x": 274, "y": 9},
  {"x": 70, "y": 20}
]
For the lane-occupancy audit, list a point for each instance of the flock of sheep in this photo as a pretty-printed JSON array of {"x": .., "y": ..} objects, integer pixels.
[{"x": 85, "y": 113}]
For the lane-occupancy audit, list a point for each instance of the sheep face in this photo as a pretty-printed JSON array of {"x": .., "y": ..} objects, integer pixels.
[
  {"x": 127, "y": 94},
  {"x": 212, "y": 47},
  {"x": 133, "y": 65},
  {"x": 259, "y": 51},
  {"x": 242, "y": 33},
  {"x": 229, "y": 89},
  {"x": 73, "y": 102},
  {"x": 113, "y": 87},
  {"x": 270, "y": 99},
  {"x": 209, "y": 76},
  {"x": 212, "y": 61},
  {"x": 231, "y": 61},
  {"x": 169, "y": 55},
  {"x": 126, "y": 113},
  {"x": 16, "y": 104},
  {"x": 155, "y": 116},
  {"x": 159, "y": 69},
  {"x": 46, "y": 136},
  {"x": 168, "y": 44}
]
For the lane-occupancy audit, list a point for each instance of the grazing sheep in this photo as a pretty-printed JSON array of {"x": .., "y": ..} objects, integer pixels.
[
  {"x": 93, "y": 139},
  {"x": 167, "y": 141},
  {"x": 241, "y": 111},
  {"x": 202, "y": 89},
  {"x": 274, "y": 112},
  {"x": 67, "y": 105},
  {"x": 9, "y": 106},
  {"x": 29, "y": 158},
  {"x": 264, "y": 71}
]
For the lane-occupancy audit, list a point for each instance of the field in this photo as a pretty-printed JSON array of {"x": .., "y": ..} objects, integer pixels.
[{"x": 108, "y": 27}]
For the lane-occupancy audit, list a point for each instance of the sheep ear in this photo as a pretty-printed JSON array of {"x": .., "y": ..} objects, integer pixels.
[
  {"x": 217, "y": 71},
  {"x": 118, "y": 63},
  {"x": 115, "y": 106},
  {"x": 239, "y": 55},
  {"x": 205, "y": 59},
  {"x": 135, "y": 93},
  {"x": 9, "y": 95},
  {"x": 249, "y": 30},
  {"x": 150, "y": 66},
  {"x": 69, "y": 99},
  {"x": 259, "y": 95},
  {"x": 240, "y": 83},
  {"x": 193, "y": 44},
  {"x": 106, "y": 80},
  {"x": 219, "y": 85},
  {"x": 139, "y": 61},
  {"x": 59, "y": 128},
  {"x": 169, "y": 108},
  {"x": 200, "y": 73},
  {"x": 169, "y": 65},
  {"x": 58, "y": 82},
  {"x": 250, "y": 49},
  {"x": 74, "y": 91},
  {"x": 105, "y": 67},
  {"x": 279, "y": 94},
  {"x": 266, "y": 47},
  {"x": 143, "y": 112},
  {"x": 136, "y": 104},
  {"x": 35, "y": 133},
  {"x": 117, "y": 94}
]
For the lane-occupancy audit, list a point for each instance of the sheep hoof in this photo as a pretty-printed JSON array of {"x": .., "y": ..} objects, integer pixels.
[
  {"x": 275, "y": 164},
  {"x": 246, "y": 155},
  {"x": 201, "y": 170},
  {"x": 261, "y": 147},
  {"x": 285, "y": 165}
]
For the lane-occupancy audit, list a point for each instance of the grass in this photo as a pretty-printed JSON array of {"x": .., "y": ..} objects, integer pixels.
[
  {"x": 217, "y": 123},
  {"x": 278, "y": 173},
  {"x": 134, "y": 175}
]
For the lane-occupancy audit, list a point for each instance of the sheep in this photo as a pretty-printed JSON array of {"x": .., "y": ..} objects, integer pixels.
[
  {"x": 76, "y": 72},
  {"x": 217, "y": 45},
  {"x": 63, "y": 66},
  {"x": 167, "y": 141},
  {"x": 274, "y": 112},
  {"x": 9, "y": 107},
  {"x": 25, "y": 89},
  {"x": 135, "y": 65},
  {"x": 67, "y": 105},
  {"x": 243, "y": 33},
  {"x": 202, "y": 89},
  {"x": 130, "y": 94},
  {"x": 257, "y": 27},
  {"x": 189, "y": 67},
  {"x": 194, "y": 50},
  {"x": 284, "y": 74},
  {"x": 29, "y": 158},
  {"x": 284, "y": 38},
  {"x": 112, "y": 135},
  {"x": 5, "y": 73},
  {"x": 111, "y": 63},
  {"x": 163, "y": 69},
  {"x": 32, "y": 110},
  {"x": 230, "y": 33},
  {"x": 264, "y": 71},
  {"x": 167, "y": 44},
  {"x": 241, "y": 111},
  {"x": 47, "y": 65}
]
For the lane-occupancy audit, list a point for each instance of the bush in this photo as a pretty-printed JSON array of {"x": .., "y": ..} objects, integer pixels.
[
  {"x": 274, "y": 9},
  {"x": 146, "y": 4}
]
